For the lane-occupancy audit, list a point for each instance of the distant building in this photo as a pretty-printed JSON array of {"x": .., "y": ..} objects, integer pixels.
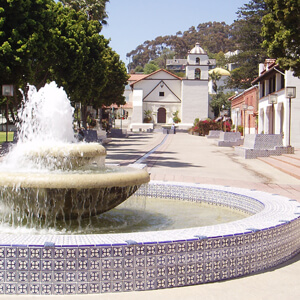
[
  {"x": 163, "y": 94},
  {"x": 228, "y": 55},
  {"x": 176, "y": 65},
  {"x": 244, "y": 108},
  {"x": 179, "y": 65}
]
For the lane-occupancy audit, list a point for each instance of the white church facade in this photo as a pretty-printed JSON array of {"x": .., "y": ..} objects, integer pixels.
[{"x": 162, "y": 94}]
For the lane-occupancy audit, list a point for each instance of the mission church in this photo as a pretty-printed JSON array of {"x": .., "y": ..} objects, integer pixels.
[{"x": 163, "y": 94}]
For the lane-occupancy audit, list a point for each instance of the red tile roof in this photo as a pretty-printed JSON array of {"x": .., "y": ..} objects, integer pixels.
[
  {"x": 148, "y": 75},
  {"x": 136, "y": 77}
]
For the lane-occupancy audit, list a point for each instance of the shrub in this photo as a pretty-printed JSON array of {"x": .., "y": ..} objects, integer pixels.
[
  {"x": 176, "y": 118},
  {"x": 203, "y": 127}
]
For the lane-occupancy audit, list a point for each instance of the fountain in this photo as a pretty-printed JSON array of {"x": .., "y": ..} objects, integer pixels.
[
  {"x": 64, "y": 179},
  {"x": 50, "y": 176}
]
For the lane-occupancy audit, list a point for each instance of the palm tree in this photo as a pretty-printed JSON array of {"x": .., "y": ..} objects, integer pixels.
[{"x": 215, "y": 77}]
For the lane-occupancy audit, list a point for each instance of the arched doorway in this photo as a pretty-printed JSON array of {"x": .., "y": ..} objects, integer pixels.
[{"x": 161, "y": 115}]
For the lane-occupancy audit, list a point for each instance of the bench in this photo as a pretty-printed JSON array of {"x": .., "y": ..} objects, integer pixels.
[
  {"x": 214, "y": 134},
  {"x": 229, "y": 139},
  {"x": 118, "y": 133},
  {"x": 262, "y": 145}
]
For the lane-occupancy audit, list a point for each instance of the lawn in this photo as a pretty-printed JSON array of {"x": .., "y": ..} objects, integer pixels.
[{"x": 3, "y": 136}]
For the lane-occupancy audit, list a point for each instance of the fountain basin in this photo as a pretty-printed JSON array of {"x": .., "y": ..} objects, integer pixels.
[
  {"x": 69, "y": 195},
  {"x": 93, "y": 264}
]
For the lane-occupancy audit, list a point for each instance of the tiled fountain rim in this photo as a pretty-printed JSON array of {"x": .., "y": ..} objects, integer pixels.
[
  {"x": 271, "y": 211},
  {"x": 95, "y": 264}
]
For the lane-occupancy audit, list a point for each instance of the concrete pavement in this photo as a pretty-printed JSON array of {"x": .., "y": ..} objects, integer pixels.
[{"x": 187, "y": 158}]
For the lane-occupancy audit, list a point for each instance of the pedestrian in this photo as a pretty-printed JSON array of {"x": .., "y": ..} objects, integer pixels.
[{"x": 173, "y": 128}]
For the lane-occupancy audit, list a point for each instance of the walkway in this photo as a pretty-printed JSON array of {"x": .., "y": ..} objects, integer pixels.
[{"x": 187, "y": 158}]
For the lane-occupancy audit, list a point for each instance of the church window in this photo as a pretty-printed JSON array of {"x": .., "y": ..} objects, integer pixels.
[
  {"x": 197, "y": 74},
  {"x": 161, "y": 94},
  {"x": 197, "y": 60}
]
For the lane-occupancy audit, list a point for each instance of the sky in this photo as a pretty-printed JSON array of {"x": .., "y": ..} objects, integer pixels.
[{"x": 132, "y": 22}]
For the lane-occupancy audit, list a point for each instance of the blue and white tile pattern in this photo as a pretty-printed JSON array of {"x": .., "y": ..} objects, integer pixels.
[{"x": 94, "y": 264}]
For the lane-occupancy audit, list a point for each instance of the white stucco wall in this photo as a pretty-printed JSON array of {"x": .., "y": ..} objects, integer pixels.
[
  {"x": 195, "y": 100},
  {"x": 137, "y": 102},
  {"x": 190, "y": 72},
  {"x": 191, "y": 59},
  {"x": 265, "y": 111},
  {"x": 290, "y": 80}
]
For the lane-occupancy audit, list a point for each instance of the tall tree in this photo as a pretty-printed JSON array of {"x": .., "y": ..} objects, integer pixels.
[
  {"x": 220, "y": 102},
  {"x": 212, "y": 36},
  {"x": 78, "y": 60},
  {"x": 247, "y": 37},
  {"x": 215, "y": 77},
  {"x": 89, "y": 70},
  {"x": 281, "y": 33},
  {"x": 25, "y": 35},
  {"x": 94, "y": 9},
  {"x": 117, "y": 79},
  {"x": 44, "y": 40}
]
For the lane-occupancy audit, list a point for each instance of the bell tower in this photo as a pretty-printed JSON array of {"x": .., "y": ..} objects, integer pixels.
[
  {"x": 195, "y": 86},
  {"x": 197, "y": 64}
]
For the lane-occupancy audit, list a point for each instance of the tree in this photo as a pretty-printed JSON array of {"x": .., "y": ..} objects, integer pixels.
[
  {"x": 150, "y": 67},
  {"x": 220, "y": 102},
  {"x": 78, "y": 59},
  {"x": 139, "y": 69},
  {"x": 117, "y": 79},
  {"x": 89, "y": 70},
  {"x": 281, "y": 33},
  {"x": 25, "y": 36},
  {"x": 42, "y": 41},
  {"x": 220, "y": 58},
  {"x": 94, "y": 9},
  {"x": 213, "y": 37},
  {"x": 215, "y": 77},
  {"x": 246, "y": 34}
]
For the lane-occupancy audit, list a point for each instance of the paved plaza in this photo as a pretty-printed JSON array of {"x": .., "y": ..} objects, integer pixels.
[{"x": 187, "y": 158}]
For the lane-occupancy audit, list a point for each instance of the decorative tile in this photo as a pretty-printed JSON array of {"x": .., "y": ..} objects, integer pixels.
[
  {"x": 94, "y": 288},
  {"x": 70, "y": 289},
  {"x": 140, "y": 285},
  {"x": 95, "y": 253},
  {"x": 2, "y": 252},
  {"x": 216, "y": 252},
  {"x": 58, "y": 289},
  {"x": 34, "y": 289},
  {"x": 46, "y": 289},
  {"x": 22, "y": 289},
  {"x": 106, "y": 252},
  {"x": 82, "y": 288},
  {"x": 11, "y": 252}
]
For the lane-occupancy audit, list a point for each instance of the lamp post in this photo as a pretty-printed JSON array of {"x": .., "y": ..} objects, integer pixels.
[
  {"x": 244, "y": 107},
  {"x": 290, "y": 92},
  {"x": 121, "y": 115},
  {"x": 7, "y": 91},
  {"x": 272, "y": 100},
  {"x": 237, "y": 119}
]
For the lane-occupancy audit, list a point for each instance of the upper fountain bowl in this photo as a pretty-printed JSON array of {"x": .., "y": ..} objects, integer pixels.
[
  {"x": 67, "y": 156},
  {"x": 47, "y": 175}
]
